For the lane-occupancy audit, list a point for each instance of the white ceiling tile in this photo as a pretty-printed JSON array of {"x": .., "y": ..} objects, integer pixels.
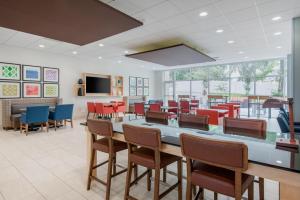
[
  {"x": 163, "y": 10},
  {"x": 227, "y": 6},
  {"x": 275, "y": 7},
  {"x": 242, "y": 15},
  {"x": 190, "y": 4},
  {"x": 5, "y": 34},
  {"x": 21, "y": 39}
]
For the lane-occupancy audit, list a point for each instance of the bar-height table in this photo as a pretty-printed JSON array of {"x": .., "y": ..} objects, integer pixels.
[{"x": 265, "y": 160}]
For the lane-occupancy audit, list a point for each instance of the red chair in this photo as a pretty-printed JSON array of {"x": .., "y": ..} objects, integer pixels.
[
  {"x": 156, "y": 107},
  {"x": 103, "y": 110},
  {"x": 139, "y": 109},
  {"x": 119, "y": 107},
  {"x": 232, "y": 112},
  {"x": 172, "y": 103},
  {"x": 221, "y": 108},
  {"x": 91, "y": 109},
  {"x": 184, "y": 106},
  {"x": 213, "y": 116},
  {"x": 194, "y": 104},
  {"x": 237, "y": 107}
]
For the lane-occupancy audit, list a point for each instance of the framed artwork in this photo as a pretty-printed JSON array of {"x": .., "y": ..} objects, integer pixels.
[
  {"x": 9, "y": 90},
  {"x": 32, "y": 90},
  {"x": 9, "y": 71},
  {"x": 139, "y": 82},
  {"x": 31, "y": 73},
  {"x": 146, "y": 82},
  {"x": 132, "y": 91},
  {"x": 51, "y": 90},
  {"x": 51, "y": 74},
  {"x": 146, "y": 91},
  {"x": 139, "y": 91},
  {"x": 132, "y": 81}
]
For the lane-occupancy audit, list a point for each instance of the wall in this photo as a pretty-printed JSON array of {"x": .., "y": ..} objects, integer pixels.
[
  {"x": 71, "y": 68},
  {"x": 296, "y": 66}
]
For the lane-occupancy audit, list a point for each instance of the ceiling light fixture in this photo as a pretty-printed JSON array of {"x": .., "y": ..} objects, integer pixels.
[
  {"x": 42, "y": 46},
  {"x": 119, "y": 61},
  {"x": 126, "y": 52},
  {"x": 203, "y": 14},
  {"x": 231, "y": 42},
  {"x": 246, "y": 57},
  {"x": 279, "y": 47},
  {"x": 277, "y": 33},
  {"x": 74, "y": 52},
  {"x": 219, "y": 31},
  {"x": 276, "y": 18},
  {"x": 100, "y": 57},
  {"x": 101, "y": 45},
  {"x": 241, "y": 52}
]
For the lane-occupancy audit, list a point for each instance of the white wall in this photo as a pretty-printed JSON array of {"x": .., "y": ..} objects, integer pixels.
[{"x": 71, "y": 68}]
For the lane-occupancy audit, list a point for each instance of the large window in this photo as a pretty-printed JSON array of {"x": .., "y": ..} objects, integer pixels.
[{"x": 236, "y": 80}]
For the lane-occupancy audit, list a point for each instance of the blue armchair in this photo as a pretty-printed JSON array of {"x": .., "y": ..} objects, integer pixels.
[
  {"x": 34, "y": 115},
  {"x": 62, "y": 112}
]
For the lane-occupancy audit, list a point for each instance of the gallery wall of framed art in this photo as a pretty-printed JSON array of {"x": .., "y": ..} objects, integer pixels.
[
  {"x": 28, "y": 81},
  {"x": 138, "y": 86}
]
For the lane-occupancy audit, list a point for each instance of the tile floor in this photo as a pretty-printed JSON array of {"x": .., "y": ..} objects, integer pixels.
[{"x": 52, "y": 166}]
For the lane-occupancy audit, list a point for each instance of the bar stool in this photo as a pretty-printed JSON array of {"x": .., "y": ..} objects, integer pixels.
[
  {"x": 106, "y": 145},
  {"x": 220, "y": 170},
  {"x": 144, "y": 149}
]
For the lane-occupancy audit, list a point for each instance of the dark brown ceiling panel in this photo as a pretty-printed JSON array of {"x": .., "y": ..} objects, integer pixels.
[
  {"x": 173, "y": 56},
  {"x": 74, "y": 21}
]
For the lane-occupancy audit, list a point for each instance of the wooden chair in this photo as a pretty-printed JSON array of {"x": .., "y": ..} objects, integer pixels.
[
  {"x": 193, "y": 121},
  {"x": 139, "y": 109},
  {"x": 213, "y": 116},
  {"x": 220, "y": 170},
  {"x": 156, "y": 107},
  {"x": 144, "y": 149},
  {"x": 157, "y": 117},
  {"x": 106, "y": 145},
  {"x": 256, "y": 128}
]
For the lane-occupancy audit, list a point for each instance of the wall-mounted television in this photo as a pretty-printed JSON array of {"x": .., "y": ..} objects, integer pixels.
[{"x": 97, "y": 84}]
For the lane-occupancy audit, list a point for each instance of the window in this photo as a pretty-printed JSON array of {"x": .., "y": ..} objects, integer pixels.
[{"x": 182, "y": 88}]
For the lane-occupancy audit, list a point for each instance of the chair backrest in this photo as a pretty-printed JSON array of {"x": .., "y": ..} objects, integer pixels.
[
  {"x": 139, "y": 108},
  {"x": 160, "y": 102},
  {"x": 37, "y": 114},
  {"x": 172, "y": 103},
  {"x": 230, "y": 108},
  {"x": 99, "y": 107},
  {"x": 100, "y": 127},
  {"x": 195, "y": 101},
  {"x": 284, "y": 113},
  {"x": 247, "y": 127},
  {"x": 157, "y": 117},
  {"x": 184, "y": 104},
  {"x": 193, "y": 121},
  {"x": 145, "y": 137},
  {"x": 231, "y": 155},
  {"x": 283, "y": 123},
  {"x": 63, "y": 111},
  {"x": 213, "y": 115},
  {"x": 155, "y": 107},
  {"x": 91, "y": 107}
]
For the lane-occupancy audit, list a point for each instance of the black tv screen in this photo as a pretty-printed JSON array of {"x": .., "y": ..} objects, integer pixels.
[{"x": 97, "y": 85}]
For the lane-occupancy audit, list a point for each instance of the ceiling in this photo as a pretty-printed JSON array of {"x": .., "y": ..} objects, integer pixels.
[{"x": 166, "y": 22}]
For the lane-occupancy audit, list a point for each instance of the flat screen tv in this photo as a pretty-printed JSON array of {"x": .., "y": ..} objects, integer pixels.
[{"x": 97, "y": 85}]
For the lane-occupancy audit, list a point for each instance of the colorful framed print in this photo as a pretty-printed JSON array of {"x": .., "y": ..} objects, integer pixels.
[
  {"x": 146, "y": 82},
  {"x": 132, "y": 91},
  {"x": 146, "y": 91},
  {"x": 51, "y": 74},
  {"x": 132, "y": 81},
  {"x": 9, "y": 90},
  {"x": 51, "y": 90},
  {"x": 31, "y": 73},
  {"x": 32, "y": 90},
  {"x": 9, "y": 71},
  {"x": 139, "y": 82},
  {"x": 139, "y": 91}
]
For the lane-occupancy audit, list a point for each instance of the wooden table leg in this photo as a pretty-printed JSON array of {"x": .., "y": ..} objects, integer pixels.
[
  {"x": 289, "y": 192},
  {"x": 89, "y": 151}
]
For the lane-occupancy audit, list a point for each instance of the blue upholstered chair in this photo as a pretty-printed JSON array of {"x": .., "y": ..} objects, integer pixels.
[
  {"x": 34, "y": 115},
  {"x": 62, "y": 112}
]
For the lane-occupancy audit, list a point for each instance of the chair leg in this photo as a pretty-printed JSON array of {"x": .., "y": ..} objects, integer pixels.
[
  {"x": 26, "y": 129},
  {"x": 194, "y": 190},
  {"x": 21, "y": 128},
  {"x": 215, "y": 196},
  {"x": 165, "y": 174},
  {"x": 71, "y": 123},
  {"x": 179, "y": 177},
  {"x": 65, "y": 122},
  {"x": 114, "y": 164},
  {"x": 109, "y": 171},
  {"x": 188, "y": 188},
  {"x": 128, "y": 180},
  {"x": 261, "y": 189},
  {"x": 42, "y": 127},
  {"x": 156, "y": 183},
  {"x": 201, "y": 197},
  {"x": 149, "y": 175},
  {"x": 135, "y": 173},
  {"x": 92, "y": 159},
  {"x": 251, "y": 191},
  {"x": 47, "y": 126},
  {"x": 55, "y": 122}
]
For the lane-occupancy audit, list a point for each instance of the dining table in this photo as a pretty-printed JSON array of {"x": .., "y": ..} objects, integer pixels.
[{"x": 266, "y": 160}]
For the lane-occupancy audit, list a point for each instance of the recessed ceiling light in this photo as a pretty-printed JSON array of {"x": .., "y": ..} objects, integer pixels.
[
  {"x": 100, "y": 57},
  {"x": 42, "y": 46},
  {"x": 276, "y": 18},
  {"x": 279, "y": 161},
  {"x": 74, "y": 52},
  {"x": 101, "y": 45},
  {"x": 220, "y": 31},
  {"x": 230, "y": 42},
  {"x": 203, "y": 14},
  {"x": 279, "y": 47},
  {"x": 277, "y": 33},
  {"x": 126, "y": 52},
  {"x": 246, "y": 57},
  {"x": 241, "y": 52},
  {"x": 119, "y": 61}
]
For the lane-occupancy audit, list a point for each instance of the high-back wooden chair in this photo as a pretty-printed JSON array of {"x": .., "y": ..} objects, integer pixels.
[
  {"x": 157, "y": 117},
  {"x": 107, "y": 145},
  {"x": 217, "y": 166},
  {"x": 139, "y": 109},
  {"x": 144, "y": 149},
  {"x": 155, "y": 107},
  {"x": 193, "y": 121}
]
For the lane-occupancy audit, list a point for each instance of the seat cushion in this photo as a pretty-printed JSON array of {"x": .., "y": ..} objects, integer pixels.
[
  {"x": 102, "y": 145},
  {"x": 217, "y": 179},
  {"x": 145, "y": 157}
]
